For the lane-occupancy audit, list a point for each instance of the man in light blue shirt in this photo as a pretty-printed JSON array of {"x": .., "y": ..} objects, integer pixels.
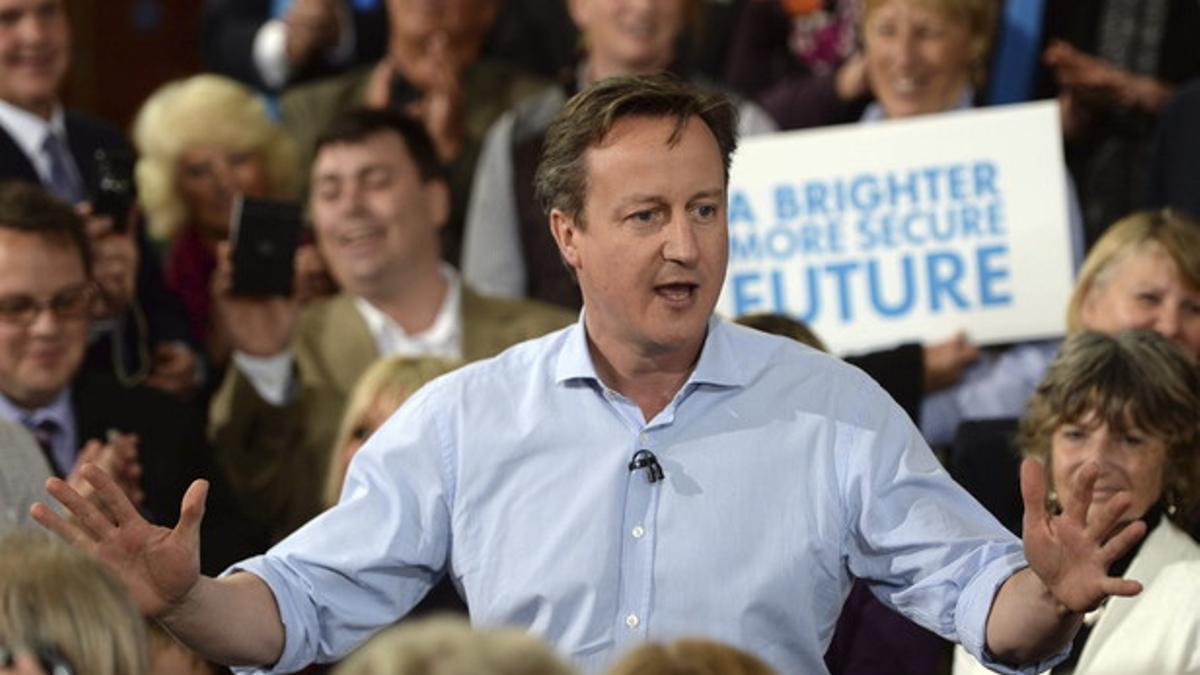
[{"x": 646, "y": 473}]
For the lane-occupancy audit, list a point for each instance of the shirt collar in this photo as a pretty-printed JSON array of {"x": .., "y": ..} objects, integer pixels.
[
  {"x": 445, "y": 332},
  {"x": 717, "y": 366},
  {"x": 875, "y": 113},
  {"x": 28, "y": 130},
  {"x": 58, "y": 410}
]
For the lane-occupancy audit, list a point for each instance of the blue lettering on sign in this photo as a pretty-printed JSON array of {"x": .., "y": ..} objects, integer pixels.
[
  {"x": 932, "y": 281},
  {"x": 908, "y": 288},
  {"x": 739, "y": 209},
  {"x": 992, "y": 272}
]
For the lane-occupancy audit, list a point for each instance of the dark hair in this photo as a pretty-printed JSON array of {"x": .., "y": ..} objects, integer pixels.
[
  {"x": 358, "y": 124},
  {"x": 1136, "y": 379},
  {"x": 27, "y": 207},
  {"x": 784, "y": 325},
  {"x": 561, "y": 179}
]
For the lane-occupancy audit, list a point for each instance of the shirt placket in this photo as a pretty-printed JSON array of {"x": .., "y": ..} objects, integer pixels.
[{"x": 638, "y": 527}]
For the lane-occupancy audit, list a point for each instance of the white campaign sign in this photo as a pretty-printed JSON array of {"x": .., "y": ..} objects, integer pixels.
[{"x": 877, "y": 234}]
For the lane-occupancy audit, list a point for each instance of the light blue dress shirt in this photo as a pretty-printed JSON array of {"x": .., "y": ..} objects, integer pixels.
[{"x": 787, "y": 473}]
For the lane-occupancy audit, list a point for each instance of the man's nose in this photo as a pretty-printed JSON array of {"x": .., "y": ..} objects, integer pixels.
[{"x": 680, "y": 245}]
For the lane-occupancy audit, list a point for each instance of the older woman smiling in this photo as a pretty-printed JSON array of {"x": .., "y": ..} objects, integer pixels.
[{"x": 1114, "y": 425}]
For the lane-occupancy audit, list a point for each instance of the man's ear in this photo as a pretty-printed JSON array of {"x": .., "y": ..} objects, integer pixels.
[
  {"x": 565, "y": 231},
  {"x": 437, "y": 198}
]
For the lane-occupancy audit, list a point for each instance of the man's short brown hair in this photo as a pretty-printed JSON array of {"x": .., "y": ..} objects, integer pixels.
[
  {"x": 561, "y": 180},
  {"x": 27, "y": 207}
]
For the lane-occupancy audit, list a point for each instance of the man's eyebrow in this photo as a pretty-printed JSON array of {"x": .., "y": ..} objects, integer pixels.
[{"x": 714, "y": 193}]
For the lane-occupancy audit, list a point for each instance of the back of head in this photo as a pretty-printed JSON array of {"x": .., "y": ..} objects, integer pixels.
[
  {"x": 53, "y": 596},
  {"x": 690, "y": 657},
  {"x": 28, "y": 208},
  {"x": 444, "y": 645},
  {"x": 1173, "y": 231},
  {"x": 783, "y": 325}
]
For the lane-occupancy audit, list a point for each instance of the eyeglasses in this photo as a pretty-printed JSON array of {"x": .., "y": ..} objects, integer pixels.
[
  {"x": 69, "y": 303},
  {"x": 50, "y": 659}
]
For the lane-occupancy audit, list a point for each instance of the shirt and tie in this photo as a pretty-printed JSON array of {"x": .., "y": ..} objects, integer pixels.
[
  {"x": 787, "y": 473},
  {"x": 46, "y": 145},
  {"x": 52, "y": 425}
]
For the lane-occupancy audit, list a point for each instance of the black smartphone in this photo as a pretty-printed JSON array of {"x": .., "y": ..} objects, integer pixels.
[
  {"x": 265, "y": 234},
  {"x": 114, "y": 191}
]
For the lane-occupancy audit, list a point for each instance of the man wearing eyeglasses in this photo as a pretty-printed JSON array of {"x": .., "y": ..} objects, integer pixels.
[{"x": 79, "y": 415}]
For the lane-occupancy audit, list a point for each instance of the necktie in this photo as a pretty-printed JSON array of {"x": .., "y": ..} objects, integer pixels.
[
  {"x": 63, "y": 181},
  {"x": 44, "y": 432}
]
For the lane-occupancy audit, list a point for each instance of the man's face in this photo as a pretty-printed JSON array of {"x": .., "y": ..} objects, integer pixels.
[
  {"x": 651, "y": 253},
  {"x": 35, "y": 51},
  {"x": 630, "y": 35},
  {"x": 376, "y": 220},
  {"x": 37, "y": 360}
]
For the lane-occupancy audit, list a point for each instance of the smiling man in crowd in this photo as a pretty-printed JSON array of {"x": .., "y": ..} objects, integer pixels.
[{"x": 378, "y": 203}]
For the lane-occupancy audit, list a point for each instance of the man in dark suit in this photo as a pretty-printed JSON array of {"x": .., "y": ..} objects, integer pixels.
[
  {"x": 45, "y": 294},
  {"x": 41, "y": 142},
  {"x": 253, "y": 41}
]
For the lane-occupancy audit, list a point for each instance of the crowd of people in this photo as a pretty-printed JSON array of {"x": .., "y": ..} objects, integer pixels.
[{"x": 495, "y": 385}]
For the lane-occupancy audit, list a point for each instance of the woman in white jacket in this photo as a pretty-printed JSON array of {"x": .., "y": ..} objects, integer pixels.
[{"x": 1127, "y": 405}]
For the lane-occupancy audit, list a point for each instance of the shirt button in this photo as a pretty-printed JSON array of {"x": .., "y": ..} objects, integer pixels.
[
  {"x": 632, "y": 621},
  {"x": 638, "y": 531},
  {"x": 644, "y": 437}
]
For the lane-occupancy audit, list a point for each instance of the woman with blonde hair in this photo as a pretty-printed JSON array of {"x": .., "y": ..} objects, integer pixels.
[
  {"x": 61, "y": 610},
  {"x": 1144, "y": 272},
  {"x": 201, "y": 141},
  {"x": 1114, "y": 426},
  {"x": 377, "y": 394}
]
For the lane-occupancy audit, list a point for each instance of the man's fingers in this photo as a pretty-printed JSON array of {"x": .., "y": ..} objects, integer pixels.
[
  {"x": 1120, "y": 587},
  {"x": 1105, "y": 521},
  {"x": 1033, "y": 492},
  {"x": 1120, "y": 543},
  {"x": 1076, "y": 506},
  {"x": 112, "y": 498},
  {"x": 61, "y": 527},
  {"x": 191, "y": 513},
  {"x": 86, "y": 514}
]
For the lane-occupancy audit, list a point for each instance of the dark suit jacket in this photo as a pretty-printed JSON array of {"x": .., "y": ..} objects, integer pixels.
[
  {"x": 229, "y": 27},
  {"x": 164, "y": 312},
  {"x": 173, "y": 453}
]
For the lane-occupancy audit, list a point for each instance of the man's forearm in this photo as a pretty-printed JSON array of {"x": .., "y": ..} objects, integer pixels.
[
  {"x": 233, "y": 620},
  {"x": 1027, "y": 624}
]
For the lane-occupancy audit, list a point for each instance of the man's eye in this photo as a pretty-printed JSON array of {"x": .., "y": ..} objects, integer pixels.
[
  {"x": 15, "y": 305},
  {"x": 705, "y": 211},
  {"x": 643, "y": 216}
]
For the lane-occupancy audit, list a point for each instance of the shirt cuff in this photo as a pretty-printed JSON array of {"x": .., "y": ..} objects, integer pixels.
[
  {"x": 271, "y": 376},
  {"x": 292, "y": 658},
  {"x": 974, "y": 606},
  {"x": 270, "y": 53}
]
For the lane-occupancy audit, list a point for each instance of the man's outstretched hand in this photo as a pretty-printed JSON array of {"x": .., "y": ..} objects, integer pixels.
[
  {"x": 1072, "y": 552},
  {"x": 158, "y": 565}
]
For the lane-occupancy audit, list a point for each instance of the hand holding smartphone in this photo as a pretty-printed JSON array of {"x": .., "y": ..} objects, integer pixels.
[{"x": 264, "y": 235}]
